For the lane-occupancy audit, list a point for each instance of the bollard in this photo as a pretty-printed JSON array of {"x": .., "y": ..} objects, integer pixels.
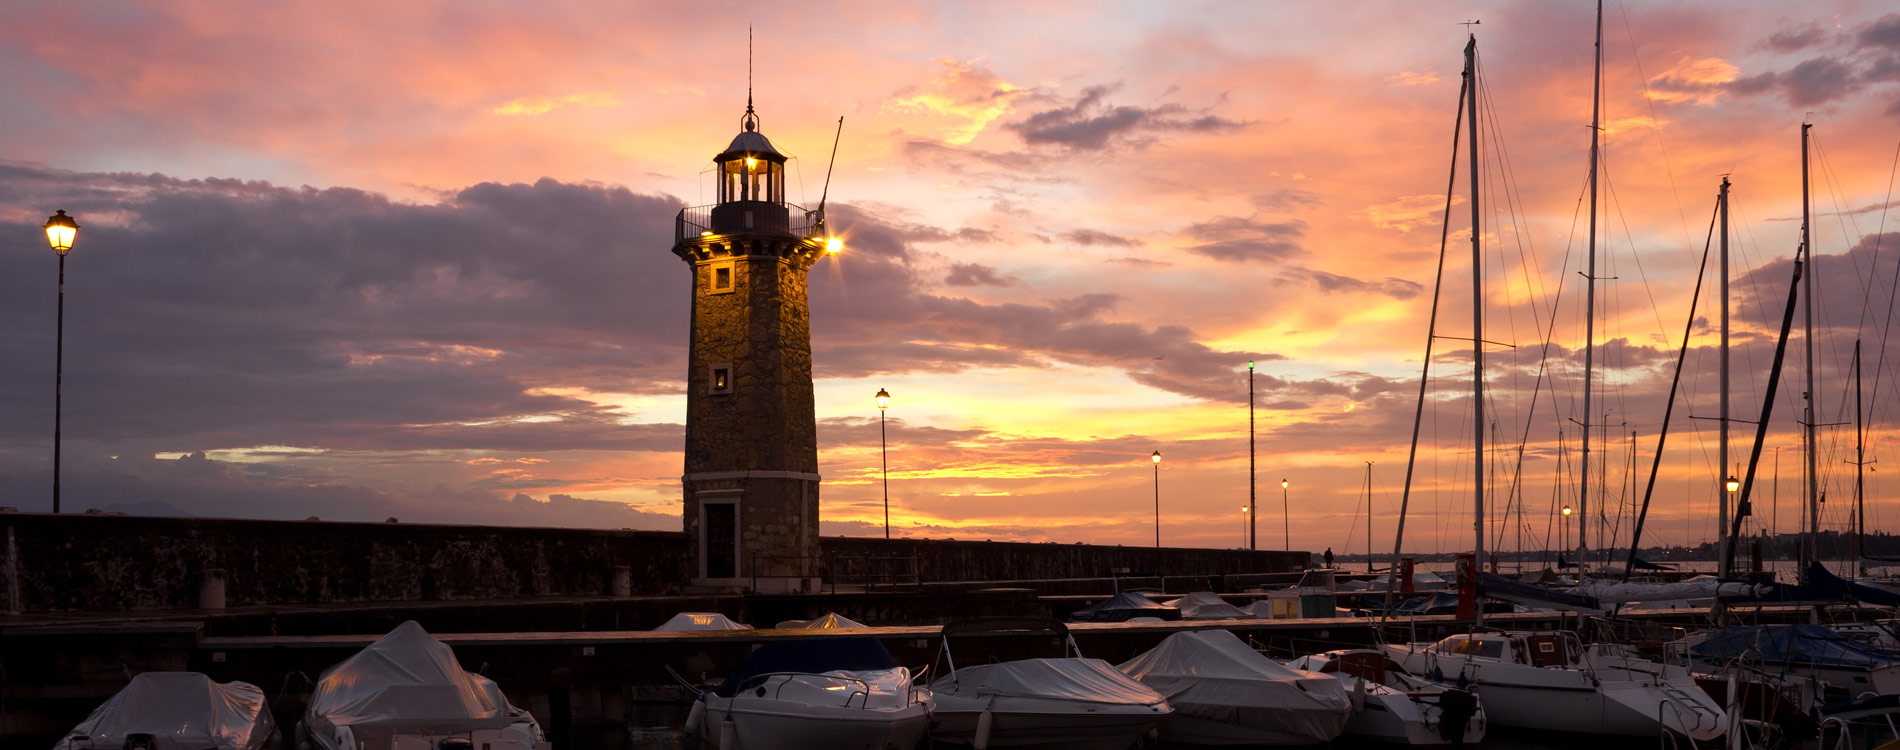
[
  {"x": 211, "y": 589},
  {"x": 623, "y": 580}
]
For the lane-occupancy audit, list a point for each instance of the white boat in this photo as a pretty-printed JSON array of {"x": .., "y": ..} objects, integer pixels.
[
  {"x": 1206, "y": 605},
  {"x": 1549, "y": 680},
  {"x": 1225, "y": 693},
  {"x": 1392, "y": 706},
  {"x": 177, "y": 709},
  {"x": 407, "y": 691},
  {"x": 829, "y": 621},
  {"x": 1069, "y": 702},
  {"x": 702, "y": 621},
  {"x": 843, "y": 693}
]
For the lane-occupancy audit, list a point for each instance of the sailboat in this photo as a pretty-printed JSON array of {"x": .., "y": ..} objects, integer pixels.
[{"x": 1551, "y": 680}]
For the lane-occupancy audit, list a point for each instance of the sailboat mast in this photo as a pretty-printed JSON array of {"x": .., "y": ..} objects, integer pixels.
[
  {"x": 1590, "y": 299},
  {"x": 1477, "y": 324},
  {"x": 1722, "y": 540},
  {"x": 1860, "y": 469},
  {"x": 1807, "y": 340},
  {"x": 1369, "y": 517}
]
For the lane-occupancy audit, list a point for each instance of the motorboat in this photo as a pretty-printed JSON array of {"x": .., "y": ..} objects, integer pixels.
[
  {"x": 829, "y": 621},
  {"x": 1849, "y": 668},
  {"x": 702, "y": 621},
  {"x": 843, "y": 693},
  {"x": 1067, "y": 702},
  {"x": 1206, "y": 605},
  {"x": 1123, "y": 607},
  {"x": 1392, "y": 706},
  {"x": 1549, "y": 680},
  {"x": 177, "y": 709},
  {"x": 407, "y": 692},
  {"x": 1225, "y": 693}
]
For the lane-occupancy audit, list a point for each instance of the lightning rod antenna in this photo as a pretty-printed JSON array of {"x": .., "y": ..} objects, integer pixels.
[{"x": 829, "y": 166}]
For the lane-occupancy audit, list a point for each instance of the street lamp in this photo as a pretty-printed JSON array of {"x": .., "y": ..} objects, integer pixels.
[
  {"x": 884, "y": 448},
  {"x": 1252, "y": 528},
  {"x": 1286, "y": 522},
  {"x": 1563, "y": 535},
  {"x": 1157, "y": 460},
  {"x": 60, "y": 231},
  {"x": 1246, "y": 514}
]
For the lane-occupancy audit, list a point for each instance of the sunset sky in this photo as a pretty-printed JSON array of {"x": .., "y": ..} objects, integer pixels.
[{"x": 363, "y": 260}]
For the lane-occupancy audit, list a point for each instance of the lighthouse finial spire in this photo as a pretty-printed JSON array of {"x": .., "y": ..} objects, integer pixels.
[{"x": 751, "y": 120}]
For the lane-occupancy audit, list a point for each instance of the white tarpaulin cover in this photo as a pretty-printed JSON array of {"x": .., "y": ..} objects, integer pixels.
[
  {"x": 180, "y": 709},
  {"x": 830, "y": 621},
  {"x": 407, "y": 679},
  {"x": 1213, "y": 675},
  {"x": 1206, "y": 605},
  {"x": 1086, "y": 680},
  {"x": 702, "y": 621},
  {"x": 1700, "y": 587}
]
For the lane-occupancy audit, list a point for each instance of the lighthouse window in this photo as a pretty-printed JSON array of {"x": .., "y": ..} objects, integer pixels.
[
  {"x": 722, "y": 277},
  {"x": 720, "y": 380}
]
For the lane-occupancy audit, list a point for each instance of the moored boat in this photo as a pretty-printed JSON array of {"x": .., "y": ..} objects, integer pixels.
[
  {"x": 1551, "y": 681},
  {"x": 1068, "y": 702},
  {"x": 177, "y": 709},
  {"x": 406, "y": 690},
  {"x": 1392, "y": 706},
  {"x": 1225, "y": 693},
  {"x": 844, "y": 693}
]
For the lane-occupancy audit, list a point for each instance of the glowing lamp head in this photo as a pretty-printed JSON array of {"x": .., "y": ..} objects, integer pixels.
[
  {"x": 833, "y": 245},
  {"x": 1156, "y": 457},
  {"x": 1250, "y": 365},
  {"x": 883, "y": 398},
  {"x": 1733, "y": 484},
  {"x": 751, "y": 164},
  {"x": 60, "y": 230},
  {"x": 1566, "y": 511},
  {"x": 1283, "y": 484}
]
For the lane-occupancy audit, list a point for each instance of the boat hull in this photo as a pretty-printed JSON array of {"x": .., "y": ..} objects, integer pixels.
[
  {"x": 1033, "y": 722},
  {"x": 758, "y": 724},
  {"x": 1574, "y": 700}
]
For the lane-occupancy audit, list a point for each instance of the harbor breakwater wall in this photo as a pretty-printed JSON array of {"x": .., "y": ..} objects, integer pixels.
[{"x": 103, "y": 563}]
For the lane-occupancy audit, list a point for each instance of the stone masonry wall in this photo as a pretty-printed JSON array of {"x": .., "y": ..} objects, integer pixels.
[{"x": 110, "y": 563}]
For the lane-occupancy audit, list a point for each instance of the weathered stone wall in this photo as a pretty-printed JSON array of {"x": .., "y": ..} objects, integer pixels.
[
  {"x": 945, "y": 560},
  {"x": 109, "y": 563},
  {"x": 97, "y": 563}
]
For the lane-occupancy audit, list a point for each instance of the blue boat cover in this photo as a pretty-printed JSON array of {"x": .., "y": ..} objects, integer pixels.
[
  {"x": 815, "y": 656},
  {"x": 1125, "y": 606},
  {"x": 1805, "y": 644},
  {"x": 1821, "y": 579},
  {"x": 1441, "y": 603},
  {"x": 1499, "y": 587}
]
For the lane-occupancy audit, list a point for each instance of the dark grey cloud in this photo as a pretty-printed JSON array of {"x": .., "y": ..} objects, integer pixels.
[
  {"x": 1796, "y": 39},
  {"x": 1884, "y": 32},
  {"x": 1332, "y": 283},
  {"x": 1091, "y": 124},
  {"x": 1092, "y": 237},
  {"x": 1817, "y": 81},
  {"x": 1235, "y": 238},
  {"x": 977, "y": 274}
]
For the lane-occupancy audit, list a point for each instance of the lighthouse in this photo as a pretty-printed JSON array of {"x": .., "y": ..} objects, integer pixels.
[{"x": 750, "y": 487}]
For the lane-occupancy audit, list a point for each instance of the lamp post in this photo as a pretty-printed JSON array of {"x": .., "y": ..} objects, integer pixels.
[
  {"x": 60, "y": 231},
  {"x": 1157, "y": 460},
  {"x": 1252, "y": 529},
  {"x": 884, "y": 448},
  {"x": 1286, "y": 522},
  {"x": 1246, "y": 515},
  {"x": 1733, "y": 485},
  {"x": 1563, "y": 534}
]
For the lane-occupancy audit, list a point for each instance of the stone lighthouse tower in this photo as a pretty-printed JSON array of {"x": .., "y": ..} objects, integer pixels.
[{"x": 751, "y": 483}]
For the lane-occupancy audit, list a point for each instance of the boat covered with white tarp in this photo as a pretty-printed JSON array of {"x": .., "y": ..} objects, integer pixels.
[
  {"x": 1206, "y": 605},
  {"x": 1224, "y": 692},
  {"x": 177, "y": 709},
  {"x": 702, "y": 621},
  {"x": 406, "y": 690}
]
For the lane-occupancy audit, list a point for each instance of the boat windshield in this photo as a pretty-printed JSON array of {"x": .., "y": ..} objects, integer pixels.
[{"x": 1485, "y": 648}]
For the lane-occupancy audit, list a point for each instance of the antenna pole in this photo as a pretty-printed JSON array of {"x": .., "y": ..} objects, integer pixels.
[{"x": 828, "y": 166}]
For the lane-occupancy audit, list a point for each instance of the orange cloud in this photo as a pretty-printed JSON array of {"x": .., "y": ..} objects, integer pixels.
[
  {"x": 967, "y": 96},
  {"x": 541, "y": 105}
]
